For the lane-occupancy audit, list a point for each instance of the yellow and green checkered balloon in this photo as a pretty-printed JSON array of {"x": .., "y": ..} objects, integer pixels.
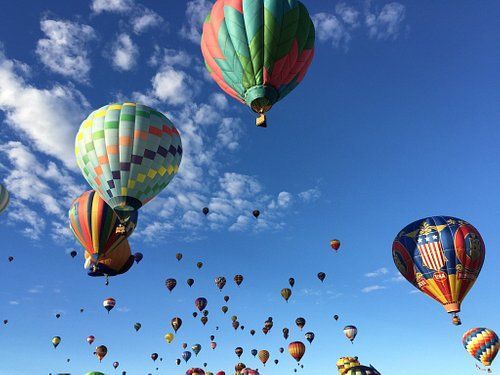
[{"x": 128, "y": 153}]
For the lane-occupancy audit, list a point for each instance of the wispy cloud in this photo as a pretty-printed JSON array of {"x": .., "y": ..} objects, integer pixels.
[
  {"x": 124, "y": 53},
  {"x": 14, "y": 303},
  {"x": 386, "y": 24},
  {"x": 379, "y": 272},
  {"x": 113, "y": 6},
  {"x": 64, "y": 50},
  {"x": 372, "y": 288},
  {"x": 196, "y": 12},
  {"x": 145, "y": 19}
]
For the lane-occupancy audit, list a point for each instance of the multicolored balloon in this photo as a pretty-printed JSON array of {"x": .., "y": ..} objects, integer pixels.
[
  {"x": 4, "y": 198},
  {"x": 196, "y": 349},
  {"x": 300, "y": 322},
  {"x": 220, "y": 282},
  {"x": 201, "y": 303},
  {"x": 238, "y": 279},
  {"x": 128, "y": 153},
  {"x": 176, "y": 323},
  {"x": 286, "y": 293},
  {"x": 345, "y": 363},
  {"x": 310, "y": 337},
  {"x": 482, "y": 344},
  {"x": 170, "y": 284},
  {"x": 297, "y": 350},
  {"x": 90, "y": 339},
  {"x": 335, "y": 244},
  {"x": 263, "y": 356},
  {"x": 109, "y": 304},
  {"x": 350, "y": 332},
  {"x": 195, "y": 371},
  {"x": 137, "y": 326},
  {"x": 441, "y": 256},
  {"x": 258, "y": 51}
]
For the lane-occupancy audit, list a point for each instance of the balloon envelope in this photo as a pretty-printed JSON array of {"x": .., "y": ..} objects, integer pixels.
[
  {"x": 482, "y": 344},
  {"x": 4, "y": 198}
]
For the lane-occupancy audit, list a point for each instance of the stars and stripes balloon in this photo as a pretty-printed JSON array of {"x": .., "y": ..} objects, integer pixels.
[
  {"x": 128, "y": 153},
  {"x": 441, "y": 256},
  {"x": 482, "y": 344},
  {"x": 109, "y": 304},
  {"x": 258, "y": 51}
]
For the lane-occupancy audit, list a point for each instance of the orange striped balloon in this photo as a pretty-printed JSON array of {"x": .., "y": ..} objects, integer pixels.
[
  {"x": 297, "y": 350},
  {"x": 263, "y": 356}
]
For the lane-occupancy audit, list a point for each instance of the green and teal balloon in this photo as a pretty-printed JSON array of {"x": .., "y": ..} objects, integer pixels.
[
  {"x": 258, "y": 51},
  {"x": 4, "y": 198},
  {"x": 128, "y": 153}
]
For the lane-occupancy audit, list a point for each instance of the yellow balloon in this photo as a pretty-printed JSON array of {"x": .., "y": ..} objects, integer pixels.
[{"x": 169, "y": 337}]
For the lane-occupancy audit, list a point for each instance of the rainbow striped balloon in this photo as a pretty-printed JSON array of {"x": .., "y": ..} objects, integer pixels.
[{"x": 482, "y": 344}]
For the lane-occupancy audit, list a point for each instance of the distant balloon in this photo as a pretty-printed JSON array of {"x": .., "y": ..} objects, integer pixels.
[
  {"x": 176, "y": 323},
  {"x": 196, "y": 349},
  {"x": 204, "y": 320},
  {"x": 263, "y": 356},
  {"x": 186, "y": 356},
  {"x": 190, "y": 282},
  {"x": 224, "y": 309},
  {"x": 205, "y": 211},
  {"x": 291, "y": 281},
  {"x": 184, "y": 345},
  {"x": 281, "y": 350},
  {"x": 213, "y": 345},
  {"x": 195, "y": 371},
  {"x": 285, "y": 333},
  {"x": 226, "y": 299},
  {"x": 169, "y": 337},
  {"x": 56, "y": 340},
  {"x": 240, "y": 367},
  {"x": 238, "y": 279},
  {"x": 138, "y": 257},
  {"x": 6, "y": 321},
  {"x": 336, "y": 317},
  {"x": 90, "y": 339},
  {"x": 300, "y": 322},
  {"x": 170, "y": 284},
  {"x": 286, "y": 293},
  {"x": 178, "y": 256},
  {"x": 297, "y": 350},
  {"x": 220, "y": 282},
  {"x": 309, "y": 337},
  {"x": 116, "y": 364},
  {"x": 154, "y": 357},
  {"x": 238, "y": 351},
  {"x": 254, "y": 352},
  {"x": 199, "y": 265},
  {"x": 137, "y": 326},
  {"x": 350, "y": 332},
  {"x": 11, "y": 258},
  {"x": 361, "y": 370},
  {"x": 321, "y": 276},
  {"x": 58, "y": 316},
  {"x": 236, "y": 324},
  {"x": 201, "y": 303},
  {"x": 101, "y": 352},
  {"x": 335, "y": 244},
  {"x": 482, "y": 344},
  {"x": 73, "y": 253},
  {"x": 109, "y": 304},
  {"x": 195, "y": 314},
  {"x": 441, "y": 256},
  {"x": 252, "y": 332},
  {"x": 256, "y": 213},
  {"x": 177, "y": 361}
]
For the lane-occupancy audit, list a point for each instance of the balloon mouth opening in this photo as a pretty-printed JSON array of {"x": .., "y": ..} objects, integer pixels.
[
  {"x": 261, "y": 98},
  {"x": 452, "y": 308}
]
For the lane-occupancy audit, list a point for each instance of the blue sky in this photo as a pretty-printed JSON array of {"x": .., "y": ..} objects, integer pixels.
[{"x": 396, "y": 120}]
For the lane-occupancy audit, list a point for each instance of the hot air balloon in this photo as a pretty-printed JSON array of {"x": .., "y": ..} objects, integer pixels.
[
  {"x": 154, "y": 357},
  {"x": 195, "y": 314},
  {"x": 109, "y": 304},
  {"x": 286, "y": 293},
  {"x": 184, "y": 345},
  {"x": 321, "y": 276},
  {"x": 252, "y": 332},
  {"x": 176, "y": 323},
  {"x": 254, "y": 352},
  {"x": 236, "y": 324},
  {"x": 73, "y": 253},
  {"x": 300, "y": 322},
  {"x": 199, "y": 265},
  {"x": 238, "y": 351},
  {"x": 297, "y": 350},
  {"x": 310, "y": 337},
  {"x": 5, "y": 321},
  {"x": 169, "y": 337},
  {"x": 350, "y": 332},
  {"x": 116, "y": 364},
  {"x": 186, "y": 356},
  {"x": 205, "y": 312},
  {"x": 345, "y": 363},
  {"x": 441, "y": 256},
  {"x": 101, "y": 352},
  {"x": 361, "y": 370},
  {"x": 137, "y": 326},
  {"x": 190, "y": 282},
  {"x": 178, "y": 256},
  {"x": 285, "y": 333},
  {"x": 256, "y": 213},
  {"x": 336, "y": 317},
  {"x": 205, "y": 211},
  {"x": 220, "y": 282},
  {"x": 482, "y": 344},
  {"x": 56, "y": 340},
  {"x": 281, "y": 350},
  {"x": 58, "y": 316},
  {"x": 170, "y": 284},
  {"x": 94, "y": 224},
  {"x": 10, "y": 258},
  {"x": 177, "y": 361},
  {"x": 128, "y": 153},
  {"x": 238, "y": 279},
  {"x": 201, "y": 303},
  {"x": 4, "y": 198},
  {"x": 291, "y": 281},
  {"x": 224, "y": 309},
  {"x": 90, "y": 339},
  {"x": 335, "y": 244},
  {"x": 213, "y": 345},
  {"x": 259, "y": 51},
  {"x": 138, "y": 257},
  {"x": 249, "y": 371},
  {"x": 221, "y": 373},
  {"x": 196, "y": 349},
  {"x": 195, "y": 371},
  {"x": 95, "y": 373},
  {"x": 204, "y": 320},
  {"x": 117, "y": 262},
  {"x": 239, "y": 367},
  {"x": 263, "y": 356}
]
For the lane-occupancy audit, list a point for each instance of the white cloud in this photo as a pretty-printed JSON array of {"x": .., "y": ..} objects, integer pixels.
[
  {"x": 310, "y": 195},
  {"x": 398, "y": 278},
  {"x": 229, "y": 133},
  {"x": 372, "y": 288},
  {"x": 242, "y": 222},
  {"x": 116, "y": 6},
  {"x": 330, "y": 28},
  {"x": 172, "y": 86},
  {"x": 14, "y": 303},
  {"x": 36, "y": 289},
  {"x": 170, "y": 57},
  {"x": 238, "y": 185},
  {"x": 196, "y": 12},
  {"x": 145, "y": 20},
  {"x": 123, "y": 309},
  {"x": 219, "y": 101},
  {"x": 348, "y": 14},
  {"x": 284, "y": 199},
  {"x": 64, "y": 49},
  {"x": 33, "y": 112},
  {"x": 124, "y": 53},
  {"x": 387, "y": 23},
  {"x": 378, "y": 272}
]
